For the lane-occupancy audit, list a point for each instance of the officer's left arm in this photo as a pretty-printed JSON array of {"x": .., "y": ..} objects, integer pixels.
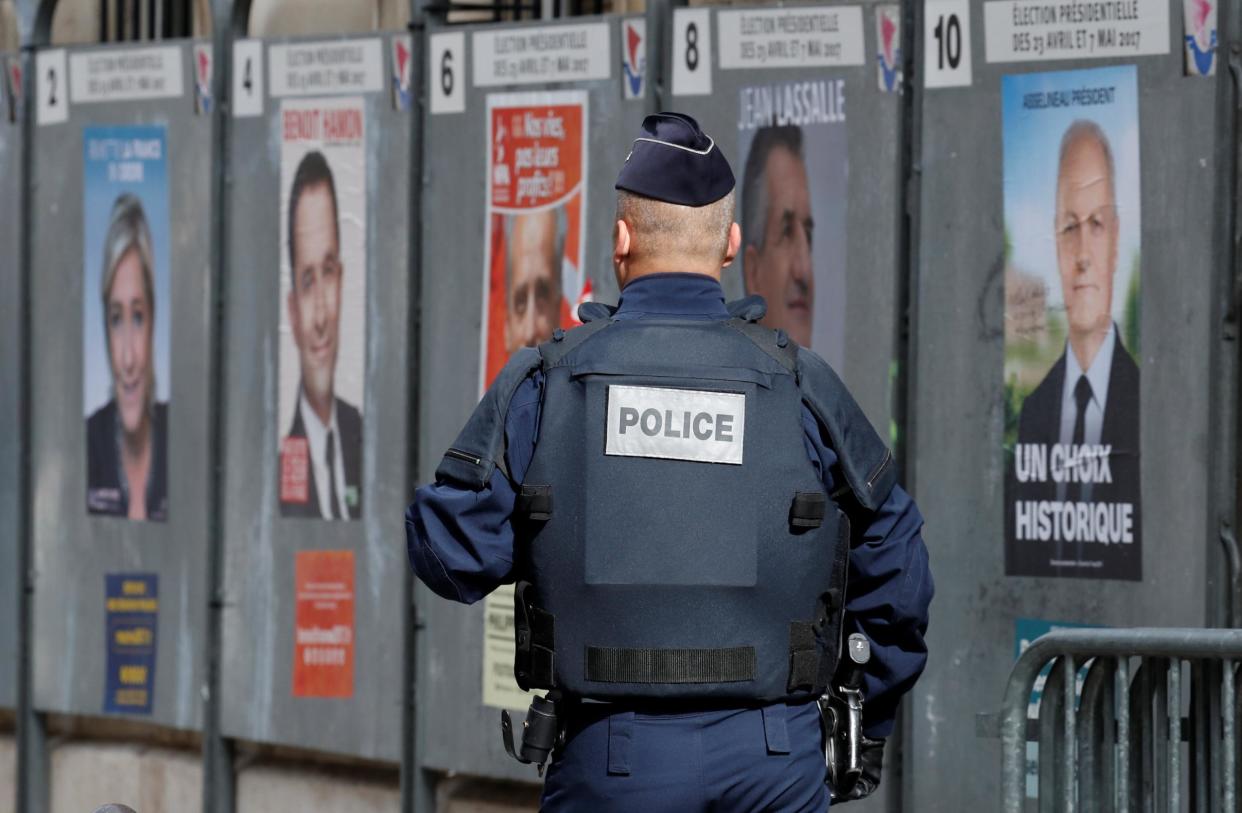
[{"x": 890, "y": 588}]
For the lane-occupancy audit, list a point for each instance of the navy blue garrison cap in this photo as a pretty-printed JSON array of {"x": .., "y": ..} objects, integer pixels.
[{"x": 673, "y": 160}]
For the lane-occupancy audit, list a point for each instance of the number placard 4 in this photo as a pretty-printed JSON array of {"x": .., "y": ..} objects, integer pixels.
[
  {"x": 946, "y": 44},
  {"x": 446, "y": 72},
  {"x": 692, "y": 52},
  {"x": 247, "y": 78}
]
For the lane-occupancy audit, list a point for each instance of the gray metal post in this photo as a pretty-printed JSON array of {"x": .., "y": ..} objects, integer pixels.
[
  {"x": 32, "y": 756},
  {"x": 417, "y": 792},
  {"x": 218, "y": 778}
]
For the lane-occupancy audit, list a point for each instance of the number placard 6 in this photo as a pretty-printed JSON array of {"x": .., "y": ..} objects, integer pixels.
[
  {"x": 946, "y": 43},
  {"x": 446, "y": 72}
]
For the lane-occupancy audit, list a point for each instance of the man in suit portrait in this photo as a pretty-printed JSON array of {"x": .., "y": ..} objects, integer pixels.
[
  {"x": 325, "y": 430},
  {"x": 1091, "y": 395},
  {"x": 777, "y": 230}
]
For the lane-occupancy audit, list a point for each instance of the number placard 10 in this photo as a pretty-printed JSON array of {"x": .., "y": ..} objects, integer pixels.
[
  {"x": 692, "y": 52},
  {"x": 946, "y": 43}
]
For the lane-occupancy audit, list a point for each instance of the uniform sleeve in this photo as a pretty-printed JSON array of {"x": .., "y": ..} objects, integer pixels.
[
  {"x": 889, "y": 593},
  {"x": 460, "y": 540}
]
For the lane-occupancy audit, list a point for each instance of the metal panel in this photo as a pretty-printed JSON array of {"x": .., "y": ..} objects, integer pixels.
[
  {"x": 74, "y": 550},
  {"x": 459, "y": 733},
  {"x": 259, "y": 617},
  {"x": 957, "y": 410},
  {"x": 10, "y": 391},
  {"x": 870, "y": 224}
]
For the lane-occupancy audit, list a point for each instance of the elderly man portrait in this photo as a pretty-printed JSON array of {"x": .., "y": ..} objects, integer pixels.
[{"x": 532, "y": 279}]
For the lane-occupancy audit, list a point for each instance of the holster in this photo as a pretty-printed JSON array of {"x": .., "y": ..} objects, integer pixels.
[{"x": 541, "y": 732}]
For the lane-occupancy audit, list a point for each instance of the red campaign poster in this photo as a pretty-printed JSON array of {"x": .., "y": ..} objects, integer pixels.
[
  {"x": 533, "y": 276},
  {"x": 323, "y": 649}
]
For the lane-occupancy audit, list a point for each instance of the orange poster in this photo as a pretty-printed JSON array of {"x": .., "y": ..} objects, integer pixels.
[
  {"x": 323, "y": 649},
  {"x": 533, "y": 277}
]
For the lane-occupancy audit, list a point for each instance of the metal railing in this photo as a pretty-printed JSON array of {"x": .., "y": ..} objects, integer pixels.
[{"x": 1122, "y": 742}]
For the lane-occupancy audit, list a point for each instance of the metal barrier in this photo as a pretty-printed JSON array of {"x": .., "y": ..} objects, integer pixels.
[{"x": 1127, "y": 753}]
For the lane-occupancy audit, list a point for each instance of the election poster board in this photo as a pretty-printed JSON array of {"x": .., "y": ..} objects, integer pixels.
[
  {"x": 1071, "y": 335},
  {"x": 793, "y": 174},
  {"x": 533, "y": 276},
  {"x": 125, "y": 318},
  {"x": 322, "y": 310}
]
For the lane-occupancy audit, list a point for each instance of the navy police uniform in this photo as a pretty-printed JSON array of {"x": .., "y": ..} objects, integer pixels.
[{"x": 695, "y": 512}]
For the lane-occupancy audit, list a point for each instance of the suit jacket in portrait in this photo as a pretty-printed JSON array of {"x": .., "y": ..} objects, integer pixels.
[
  {"x": 1040, "y": 422},
  {"x": 349, "y": 423},
  {"x": 107, "y": 492}
]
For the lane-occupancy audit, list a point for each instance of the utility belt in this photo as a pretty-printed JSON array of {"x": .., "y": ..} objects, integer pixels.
[{"x": 841, "y": 709}]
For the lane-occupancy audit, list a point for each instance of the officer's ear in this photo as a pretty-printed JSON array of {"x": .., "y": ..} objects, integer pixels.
[
  {"x": 620, "y": 242},
  {"x": 734, "y": 244}
]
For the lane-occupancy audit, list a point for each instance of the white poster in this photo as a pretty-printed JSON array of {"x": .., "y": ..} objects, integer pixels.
[{"x": 322, "y": 312}]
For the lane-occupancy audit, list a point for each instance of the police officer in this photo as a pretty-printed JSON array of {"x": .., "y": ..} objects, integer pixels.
[{"x": 695, "y": 512}]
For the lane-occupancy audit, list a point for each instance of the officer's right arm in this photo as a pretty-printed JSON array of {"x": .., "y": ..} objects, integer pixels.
[{"x": 458, "y": 532}]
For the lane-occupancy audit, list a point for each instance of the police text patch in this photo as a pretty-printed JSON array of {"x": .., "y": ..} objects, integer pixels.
[{"x": 675, "y": 424}]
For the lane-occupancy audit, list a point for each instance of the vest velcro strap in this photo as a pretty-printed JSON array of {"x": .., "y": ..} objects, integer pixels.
[
  {"x": 729, "y": 665},
  {"x": 808, "y": 509},
  {"x": 803, "y": 656},
  {"x": 534, "y": 662},
  {"x": 535, "y": 502}
]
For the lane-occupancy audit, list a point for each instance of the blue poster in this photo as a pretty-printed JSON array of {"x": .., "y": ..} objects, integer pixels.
[
  {"x": 126, "y": 315},
  {"x": 130, "y": 611},
  {"x": 1073, "y": 228}
]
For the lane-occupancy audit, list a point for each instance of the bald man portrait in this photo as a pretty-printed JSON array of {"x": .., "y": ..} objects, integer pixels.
[
  {"x": 533, "y": 278},
  {"x": 1091, "y": 394}
]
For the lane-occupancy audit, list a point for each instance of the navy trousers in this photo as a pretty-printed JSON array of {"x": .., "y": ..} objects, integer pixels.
[{"x": 730, "y": 761}]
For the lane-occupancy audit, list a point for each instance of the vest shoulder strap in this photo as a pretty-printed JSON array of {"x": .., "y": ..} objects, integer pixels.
[
  {"x": 480, "y": 447},
  {"x": 775, "y": 343},
  {"x": 552, "y": 352},
  {"x": 865, "y": 460}
]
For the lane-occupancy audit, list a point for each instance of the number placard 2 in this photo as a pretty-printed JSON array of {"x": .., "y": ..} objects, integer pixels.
[
  {"x": 247, "y": 78},
  {"x": 946, "y": 43},
  {"x": 692, "y": 52},
  {"x": 51, "y": 87},
  {"x": 446, "y": 72}
]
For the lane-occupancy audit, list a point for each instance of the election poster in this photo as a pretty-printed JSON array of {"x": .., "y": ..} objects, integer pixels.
[
  {"x": 533, "y": 275},
  {"x": 131, "y": 610},
  {"x": 125, "y": 318},
  {"x": 322, "y": 310},
  {"x": 792, "y": 192},
  {"x": 1072, "y": 338},
  {"x": 323, "y": 635}
]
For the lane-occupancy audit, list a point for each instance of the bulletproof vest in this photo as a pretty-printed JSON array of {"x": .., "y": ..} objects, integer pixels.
[{"x": 673, "y": 538}]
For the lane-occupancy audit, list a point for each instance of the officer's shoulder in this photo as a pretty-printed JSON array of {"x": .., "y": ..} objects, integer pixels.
[{"x": 865, "y": 459}]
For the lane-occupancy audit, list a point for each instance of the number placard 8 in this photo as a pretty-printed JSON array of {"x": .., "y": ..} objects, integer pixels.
[{"x": 692, "y": 52}]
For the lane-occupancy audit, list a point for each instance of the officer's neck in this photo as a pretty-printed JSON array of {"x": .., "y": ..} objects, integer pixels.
[{"x": 627, "y": 272}]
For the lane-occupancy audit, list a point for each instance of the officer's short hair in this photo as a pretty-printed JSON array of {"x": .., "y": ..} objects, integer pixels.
[
  {"x": 672, "y": 229},
  {"x": 1087, "y": 130},
  {"x": 115, "y": 807},
  {"x": 312, "y": 171},
  {"x": 754, "y": 176},
  {"x": 558, "y": 245}
]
